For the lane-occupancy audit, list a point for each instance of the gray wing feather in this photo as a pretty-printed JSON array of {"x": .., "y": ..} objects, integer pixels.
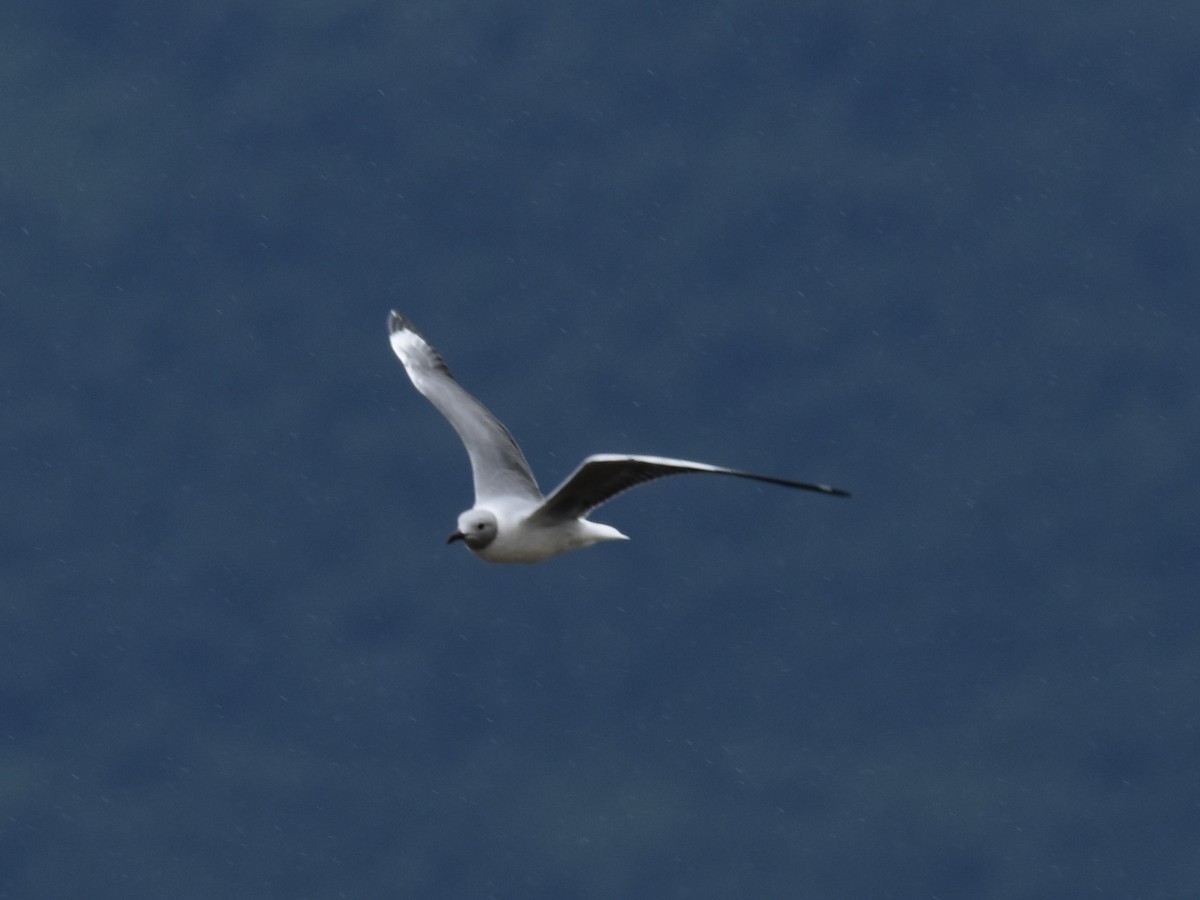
[
  {"x": 600, "y": 478},
  {"x": 498, "y": 465}
]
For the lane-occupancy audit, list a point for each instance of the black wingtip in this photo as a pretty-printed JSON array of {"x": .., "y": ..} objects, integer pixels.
[
  {"x": 396, "y": 322},
  {"x": 831, "y": 490},
  {"x": 826, "y": 489}
]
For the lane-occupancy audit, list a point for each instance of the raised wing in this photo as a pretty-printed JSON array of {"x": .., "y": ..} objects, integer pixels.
[
  {"x": 600, "y": 478},
  {"x": 497, "y": 462}
]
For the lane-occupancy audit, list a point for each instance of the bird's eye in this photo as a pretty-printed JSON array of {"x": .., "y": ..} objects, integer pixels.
[{"x": 479, "y": 527}]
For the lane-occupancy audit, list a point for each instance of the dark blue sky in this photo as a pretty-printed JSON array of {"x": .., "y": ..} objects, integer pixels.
[{"x": 942, "y": 255}]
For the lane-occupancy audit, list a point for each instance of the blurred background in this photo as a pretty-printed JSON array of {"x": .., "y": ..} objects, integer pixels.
[{"x": 943, "y": 255}]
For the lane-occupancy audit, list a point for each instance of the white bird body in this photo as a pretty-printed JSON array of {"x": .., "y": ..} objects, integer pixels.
[
  {"x": 520, "y": 540},
  {"x": 511, "y": 520}
]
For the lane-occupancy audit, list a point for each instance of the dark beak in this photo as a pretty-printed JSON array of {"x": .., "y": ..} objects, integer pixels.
[{"x": 457, "y": 536}]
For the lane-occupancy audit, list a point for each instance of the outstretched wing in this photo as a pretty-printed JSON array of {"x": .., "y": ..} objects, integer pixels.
[
  {"x": 600, "y": 478},
  {"x": 497, "y": 462}
]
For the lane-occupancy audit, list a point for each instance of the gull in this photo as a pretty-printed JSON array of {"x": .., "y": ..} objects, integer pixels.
[{"x": 512, "y": 521}]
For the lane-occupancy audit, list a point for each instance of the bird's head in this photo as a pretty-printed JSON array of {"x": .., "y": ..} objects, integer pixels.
[{"x": 476, "y": 528}]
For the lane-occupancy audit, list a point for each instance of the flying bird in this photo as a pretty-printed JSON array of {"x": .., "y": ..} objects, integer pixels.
[{"x": 512, "y": 521}]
